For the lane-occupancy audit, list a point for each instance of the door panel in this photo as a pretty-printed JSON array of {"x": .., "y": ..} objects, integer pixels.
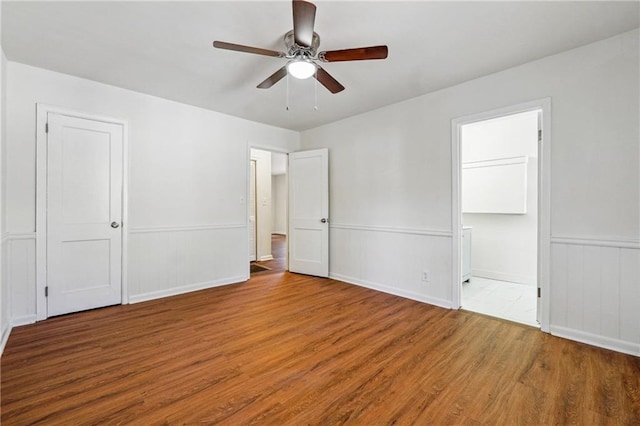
[
  {"x": 84, "y": 200},
  {"x": 95, "y": 268},
  {"x": 308, "y": 207},
  {"x": 85, "y": 183}
]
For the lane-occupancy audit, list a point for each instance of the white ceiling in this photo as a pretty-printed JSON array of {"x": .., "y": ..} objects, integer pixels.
[{"x": 165, "y": 48}]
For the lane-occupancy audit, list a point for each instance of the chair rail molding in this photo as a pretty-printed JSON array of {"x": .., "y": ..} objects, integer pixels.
[
  {"x": 143, "y": 230},
  {"x": 393, "y": 229},
  {"x": 582, "y": 240}
]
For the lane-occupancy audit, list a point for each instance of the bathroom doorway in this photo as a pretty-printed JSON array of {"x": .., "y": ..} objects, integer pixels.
[
  {"x": 499, "y": 216},
  {"x": 502, "y": 205}
]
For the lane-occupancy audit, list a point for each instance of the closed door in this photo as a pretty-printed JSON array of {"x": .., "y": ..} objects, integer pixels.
[
  {"x": 309, "y": 212},
  {"x": 84, "y": 213}
]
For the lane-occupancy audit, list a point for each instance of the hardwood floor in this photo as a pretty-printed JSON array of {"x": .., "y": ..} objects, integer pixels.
[
  {"x": 291, "y": 349},
  {"x": 278, "y": 251}
]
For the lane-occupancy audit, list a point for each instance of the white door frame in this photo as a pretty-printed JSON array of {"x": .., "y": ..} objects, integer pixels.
[
  {"x": 42, "y": 112},
  {"x": 250, "y": 146},
  {"x": 253, "y": 209},
  {"x": 544, "y": 199}
]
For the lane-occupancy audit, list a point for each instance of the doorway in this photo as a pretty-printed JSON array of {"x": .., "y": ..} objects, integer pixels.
[
  {"x": 268, "y": 194},
  {"x": 499, "y": 216},
  {"x": 501, "y": 213}
]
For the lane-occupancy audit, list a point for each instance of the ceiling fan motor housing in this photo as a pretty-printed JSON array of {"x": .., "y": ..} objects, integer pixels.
[{"x": 294, "y": 50}]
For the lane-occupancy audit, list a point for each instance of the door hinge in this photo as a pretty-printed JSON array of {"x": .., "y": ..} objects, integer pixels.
[
  {"x": 46, "y": 127},
  {"x": 540, "y": 135},
  {"x": 538, "y": 291},
  {"x": 46, "y": 291}
]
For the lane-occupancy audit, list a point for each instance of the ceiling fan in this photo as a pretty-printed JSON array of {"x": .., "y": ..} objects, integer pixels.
[{"x": 302, "y": 51}]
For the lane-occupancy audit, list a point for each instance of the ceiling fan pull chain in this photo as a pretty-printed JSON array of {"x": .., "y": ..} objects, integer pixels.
[
  {"x": 315, "y": 91},
  {"x": 287, "y": 106}
]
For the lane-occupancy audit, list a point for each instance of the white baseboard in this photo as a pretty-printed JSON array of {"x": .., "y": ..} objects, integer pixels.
[
  {"x": 185, "y": 289},
  {"x": 265, "y": 258},
  {"x": 23, "y": 320},
  {"x": 391, "y": 290},
  {"x": 5, "y": 337},
  {"x": 512, "y": 278},
  {"x": 596, "y": 340}
]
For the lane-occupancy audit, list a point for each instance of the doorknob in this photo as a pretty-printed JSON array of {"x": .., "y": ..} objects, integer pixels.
[
  {"x": 324, "y": 220},
  {"x": 115, "y": 225}
]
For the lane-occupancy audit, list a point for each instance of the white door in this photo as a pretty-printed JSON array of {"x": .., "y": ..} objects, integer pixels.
[
  {"x": 84, "y": 212},
  {"x": 309, "y": 212},
  {"x": 252, "y": 215}
]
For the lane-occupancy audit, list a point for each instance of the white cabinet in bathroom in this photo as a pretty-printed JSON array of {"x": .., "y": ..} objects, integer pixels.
[{"x": 466, "y": 253}]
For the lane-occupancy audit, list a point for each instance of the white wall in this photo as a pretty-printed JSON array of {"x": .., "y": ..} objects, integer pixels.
[
  {"x": 279, "y": 211},
  {"x": 263, "y": 203},
  {"x": 5, "y": 324},
  {"x": 188, "y": 170},
  {"x": 278, "y": 163},
  {"x": 279, "y": 193},
  {"x": 504, "y": 246},
  {"x": 390, "y": 184}
]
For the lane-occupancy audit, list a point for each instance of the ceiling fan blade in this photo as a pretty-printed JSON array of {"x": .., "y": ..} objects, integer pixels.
[
  {"x": 247, "y": 49},
  {"x": 327, "y": 81},
  {"x": 304, "y": 16},
  {"x": 273, "y": 78},
  {"x": 357, "y": 54}
]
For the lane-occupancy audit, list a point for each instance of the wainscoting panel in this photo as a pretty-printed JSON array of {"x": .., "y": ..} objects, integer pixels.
[
  {"x": 5, "y": 315},
  {"x": 21, "y": 277},
  {"x": 169, "y": 261},
  {"x": 595, "y": 292},
  {"x": 393, "y": 260}
]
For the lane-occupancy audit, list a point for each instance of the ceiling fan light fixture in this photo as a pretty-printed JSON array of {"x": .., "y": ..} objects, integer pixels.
[{"x": 301, "y": 68}]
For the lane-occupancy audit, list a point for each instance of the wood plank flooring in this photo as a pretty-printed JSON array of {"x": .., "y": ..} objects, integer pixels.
[
  {"x": 287, "y": 349},
  {"x": 278, "y": 251}
]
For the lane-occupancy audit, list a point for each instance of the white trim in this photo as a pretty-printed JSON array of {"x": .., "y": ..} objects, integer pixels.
[
  {"x": 251, "y": 145},
  {"x": 5, "y": 338},
  {"x": 456, "y": 214},
  {"x": 41, "y": 210},
  {"x": 392, "y": 229},
  {"x": 544, "y": 199},
  {"x": 42, "y": 112},
  {"x": 186, "y": 289},
  {"x": 596, "y": 340},
  {"x": 265, "y": 258},
  {"x": 19, "y": 236},
  {"x": 23, "y": 320},
  {"x": 597, "y": 242},
  {"x": 124, "y": 250},
  {"x": 146, "y": 230},
  {"x": 394, "y": 291}
]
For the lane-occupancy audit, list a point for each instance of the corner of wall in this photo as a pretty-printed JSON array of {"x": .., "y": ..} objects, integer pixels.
[{"x": 5, "y": 322}]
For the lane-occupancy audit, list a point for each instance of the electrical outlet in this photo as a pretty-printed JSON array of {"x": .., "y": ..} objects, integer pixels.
[{"x": 425, "y": 275}]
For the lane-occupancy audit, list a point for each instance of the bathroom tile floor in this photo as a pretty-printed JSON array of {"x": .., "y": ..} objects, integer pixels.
[{"x": 502, "y": 299}]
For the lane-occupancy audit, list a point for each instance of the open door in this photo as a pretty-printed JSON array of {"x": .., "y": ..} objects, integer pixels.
[{"x": 309, "y": 212}]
